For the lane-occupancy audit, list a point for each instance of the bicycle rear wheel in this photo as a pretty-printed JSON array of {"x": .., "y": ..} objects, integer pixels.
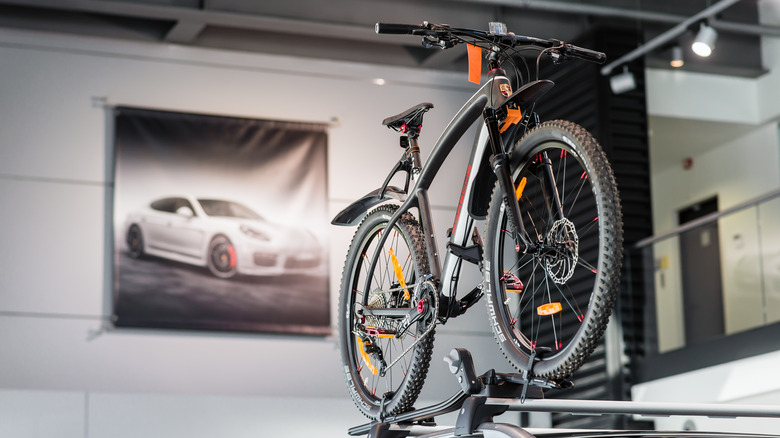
[
  {"x": 385, "y": 358},
  {"x": 559, "y": 292}
]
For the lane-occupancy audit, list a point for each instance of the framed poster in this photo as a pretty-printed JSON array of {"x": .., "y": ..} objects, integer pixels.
[{"x": 220, "y": 223}]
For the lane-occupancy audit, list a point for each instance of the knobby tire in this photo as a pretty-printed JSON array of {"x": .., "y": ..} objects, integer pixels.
[{"x": 561, "y": 296}]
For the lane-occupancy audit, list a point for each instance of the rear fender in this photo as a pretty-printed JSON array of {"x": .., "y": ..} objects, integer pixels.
[{"x": 355, "y": 212}]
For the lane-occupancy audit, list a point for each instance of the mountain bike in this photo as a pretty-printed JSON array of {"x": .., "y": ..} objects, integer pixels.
[{"x": 552, "y": 249}]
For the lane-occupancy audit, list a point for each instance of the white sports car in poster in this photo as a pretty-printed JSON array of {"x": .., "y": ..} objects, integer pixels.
[
  {"x": 220, "y": 223},
  {"x": 225, "y": 236}
]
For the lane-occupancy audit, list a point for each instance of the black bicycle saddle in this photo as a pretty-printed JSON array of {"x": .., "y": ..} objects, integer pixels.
[{"x": 409, "y": 120}]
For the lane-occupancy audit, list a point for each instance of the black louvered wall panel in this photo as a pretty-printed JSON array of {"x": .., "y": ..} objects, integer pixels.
[{"x": 619, "y": 122}]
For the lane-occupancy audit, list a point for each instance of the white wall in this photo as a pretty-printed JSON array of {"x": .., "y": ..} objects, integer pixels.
[
  {"x": 735, "y": 171},
  {"x": 60, "y": 371},
  {"x": 737, "y": 168}
]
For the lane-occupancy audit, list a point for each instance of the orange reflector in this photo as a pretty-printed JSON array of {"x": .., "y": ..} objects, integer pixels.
[
  {"x": 514, "y": 291},
  {"x": 366, "y": 359},
  {"x": 399, "y": 273},
  {"x": 513, "y": 117},
  {"x": 475, "y": 63},
  {"x": 549, "y": 309},
  {"x": 520, "y": 188}
]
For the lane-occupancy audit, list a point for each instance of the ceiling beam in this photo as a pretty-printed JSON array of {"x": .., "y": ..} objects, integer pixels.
[
  {"x": 563, "y": 7},
  {"x": 189, "y": 22},
  {"x": 363, "y": 32},
  {"x": 443, "y": 58},
  {"x": 349, "y": 31},
  {"x": 184, "y": 32},
  {"x": 743, "y": 28},
  {"x": 582, "y": 9}
]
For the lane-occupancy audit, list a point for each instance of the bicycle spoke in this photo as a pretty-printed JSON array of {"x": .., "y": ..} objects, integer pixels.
[
  {"x": 531, "y": 281},
  {"x": 576, "y": 311},
  {"x": 586, "y": 229},
  {"x": 550, "y": 264},
  {"x": 583, "y": 180},
  {"x": 587, "y": 265},
  {"x": 383, "y": 355},
  {"x": 374, "y": 275}
]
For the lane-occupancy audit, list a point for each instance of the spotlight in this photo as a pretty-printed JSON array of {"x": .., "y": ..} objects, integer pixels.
[
  {"x": 677, "y": 60},
  {"x": 705, "y": 41},
  {"x": 622, "y": 82}
]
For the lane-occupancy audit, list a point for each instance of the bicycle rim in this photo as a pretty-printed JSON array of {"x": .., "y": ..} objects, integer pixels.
[
  {"x": 554, "y": 300},
  {"x": 383, "y": 357}
]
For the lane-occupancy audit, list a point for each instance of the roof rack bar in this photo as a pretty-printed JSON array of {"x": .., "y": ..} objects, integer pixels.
[{"x": 598, "y": 407}]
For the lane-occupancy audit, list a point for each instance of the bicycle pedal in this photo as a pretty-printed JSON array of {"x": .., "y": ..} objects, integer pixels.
[{"x": 469, "y": 300}]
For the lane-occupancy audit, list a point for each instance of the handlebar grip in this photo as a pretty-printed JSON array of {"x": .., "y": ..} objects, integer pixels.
[
  {"x": 586, "y": 54},
  {"x": 397, "y": 29}
]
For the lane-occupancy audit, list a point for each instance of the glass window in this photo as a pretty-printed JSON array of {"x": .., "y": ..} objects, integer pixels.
[{"x": 217, "y": 207}]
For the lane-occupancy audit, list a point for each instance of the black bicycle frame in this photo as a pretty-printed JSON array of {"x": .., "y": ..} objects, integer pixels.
[
  {"x": 485, "y": 102},
  {"x": 489, "y": 95}
]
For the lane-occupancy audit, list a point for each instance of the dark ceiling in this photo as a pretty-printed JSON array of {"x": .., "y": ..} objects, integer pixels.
[{"x": 343, "y": 29}]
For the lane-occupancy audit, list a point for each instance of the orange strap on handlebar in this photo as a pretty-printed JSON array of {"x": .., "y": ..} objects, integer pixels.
[{"x": 475, "y": 63}]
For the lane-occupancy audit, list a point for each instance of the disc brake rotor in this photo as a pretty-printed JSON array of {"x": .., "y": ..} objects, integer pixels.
[{"x": 561, "y": 263}]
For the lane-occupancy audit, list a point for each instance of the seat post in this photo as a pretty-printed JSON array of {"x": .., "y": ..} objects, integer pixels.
[{"x": 414, "y": 151}]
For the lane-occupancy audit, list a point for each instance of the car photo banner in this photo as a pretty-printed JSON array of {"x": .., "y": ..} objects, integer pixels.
[{"x": 220, "y": 223}]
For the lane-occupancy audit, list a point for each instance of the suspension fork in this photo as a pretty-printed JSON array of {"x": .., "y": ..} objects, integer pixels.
[
  {"x": 552, "y": 198},
  {"x": 500, "y": 164}
]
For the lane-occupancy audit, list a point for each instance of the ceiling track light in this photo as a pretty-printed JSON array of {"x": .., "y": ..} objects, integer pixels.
[
  {"x": 622, "y": 82},
  {"x": 704, "y": 43},
  {"x": 677, "y": 60}
]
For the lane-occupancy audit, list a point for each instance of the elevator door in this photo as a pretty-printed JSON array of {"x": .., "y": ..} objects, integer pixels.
[{"x": 701, "y": 279}]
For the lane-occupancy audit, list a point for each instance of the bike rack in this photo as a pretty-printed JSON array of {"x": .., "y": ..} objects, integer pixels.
[{"x": 483, "y": 397}]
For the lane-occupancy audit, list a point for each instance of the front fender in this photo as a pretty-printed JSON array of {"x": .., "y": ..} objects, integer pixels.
[{"x": 355, "y": 211}]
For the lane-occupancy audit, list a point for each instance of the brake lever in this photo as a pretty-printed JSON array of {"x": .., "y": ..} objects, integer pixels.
[{"x": 430, "y": 42}]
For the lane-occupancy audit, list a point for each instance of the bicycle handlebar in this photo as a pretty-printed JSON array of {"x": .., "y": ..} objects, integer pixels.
[
  {"x": 398, "y": 29},
  {"x": 510, "y": 39},
  {"x": 585, "y": 54}
]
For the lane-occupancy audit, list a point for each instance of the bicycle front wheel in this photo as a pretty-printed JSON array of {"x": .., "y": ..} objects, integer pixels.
[
  {"x": 554, "y": 296},
  {"x": 386, "y": 357}
]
